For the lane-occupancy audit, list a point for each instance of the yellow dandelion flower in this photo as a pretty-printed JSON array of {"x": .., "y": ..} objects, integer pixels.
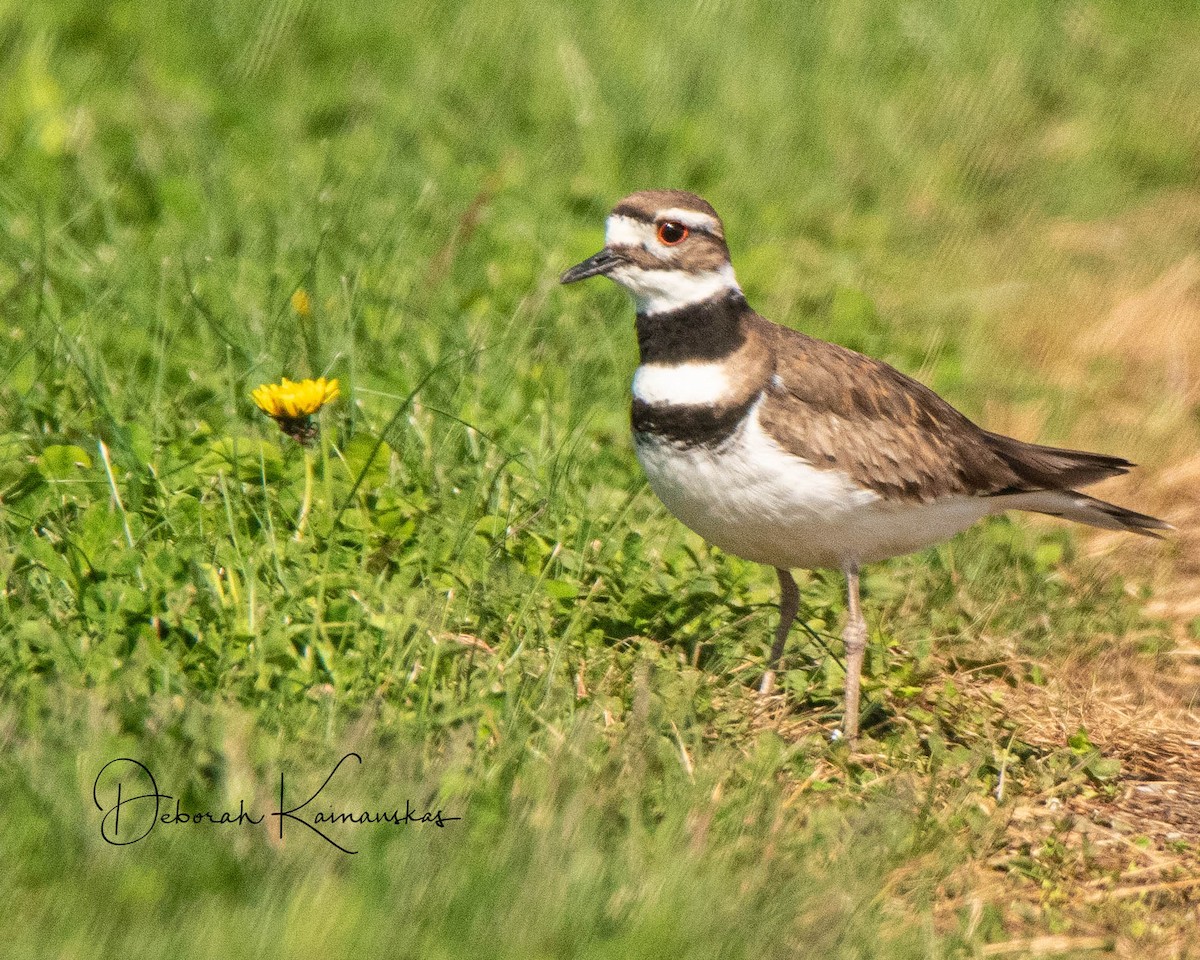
[
  {"x": 291, "y": 404},
  {"x": 302, "y": 302}
]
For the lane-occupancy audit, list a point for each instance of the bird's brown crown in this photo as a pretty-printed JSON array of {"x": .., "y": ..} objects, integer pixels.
[{"x": 655, "y": 206}]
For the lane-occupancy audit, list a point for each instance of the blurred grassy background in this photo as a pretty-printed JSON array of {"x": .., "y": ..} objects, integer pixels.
[{"x": 999, "y": 198}]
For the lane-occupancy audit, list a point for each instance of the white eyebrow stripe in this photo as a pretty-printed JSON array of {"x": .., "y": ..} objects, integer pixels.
[
  {"x": 690, "y": 218},
  {"x": 621, "y": 231}
]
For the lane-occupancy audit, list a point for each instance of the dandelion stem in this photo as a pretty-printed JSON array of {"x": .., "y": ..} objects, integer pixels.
[{"x": 306, "y": 501}]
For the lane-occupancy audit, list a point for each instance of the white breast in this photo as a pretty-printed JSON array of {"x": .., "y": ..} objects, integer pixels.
[
  {"x": 683, "y": 384},
  {"x": 752, "y": 498}
]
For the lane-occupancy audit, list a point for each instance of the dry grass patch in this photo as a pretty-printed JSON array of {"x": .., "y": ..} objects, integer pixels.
[{"x": 1112, "y": 315}]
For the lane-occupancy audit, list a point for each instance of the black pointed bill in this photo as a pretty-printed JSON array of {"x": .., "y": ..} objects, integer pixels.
[{"x": 601, "y": 263}]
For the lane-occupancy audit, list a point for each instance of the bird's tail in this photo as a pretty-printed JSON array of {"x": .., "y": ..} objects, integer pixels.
[
  {"x": 1054, "y": 468},
  {"x": 1073, "y": 505}
]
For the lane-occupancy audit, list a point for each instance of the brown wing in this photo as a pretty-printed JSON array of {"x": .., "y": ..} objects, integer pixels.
[{"x": 894, "y": 435}]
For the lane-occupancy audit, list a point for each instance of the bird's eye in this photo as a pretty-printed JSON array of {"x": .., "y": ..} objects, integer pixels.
[{"x": 671, "y": 232}]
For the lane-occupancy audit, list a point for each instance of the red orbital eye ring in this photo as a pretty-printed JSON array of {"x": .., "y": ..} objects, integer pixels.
[{"x": 671, "y": 232}]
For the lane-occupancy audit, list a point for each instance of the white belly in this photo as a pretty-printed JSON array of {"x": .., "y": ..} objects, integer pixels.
[{"x": 753, "y": 499}]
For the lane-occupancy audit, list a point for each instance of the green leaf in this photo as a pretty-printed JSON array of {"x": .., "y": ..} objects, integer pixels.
[
  {"x": 491, "y": 527},
  {"x": 561, "y": 589},
  {"x": 365, "y": 452},
  {"x": 63, "y": 461},
  {"x": 250, "y": 459},
  {"x": 1103, "y": 768},
  {"x": 1080, "y": 743}
]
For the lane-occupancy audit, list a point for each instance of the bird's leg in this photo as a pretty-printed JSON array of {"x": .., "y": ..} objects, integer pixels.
[
  {"x": 789, "y": 606},
  {"x": 855, "y": 637}
]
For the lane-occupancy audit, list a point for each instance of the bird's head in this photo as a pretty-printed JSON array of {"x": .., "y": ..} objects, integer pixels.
[{"x": 666, "y": 247}]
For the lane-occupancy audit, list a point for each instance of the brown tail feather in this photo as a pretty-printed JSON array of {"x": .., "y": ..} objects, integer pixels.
[
  {"x": 1054, "y": 468},
  {"x": 1073, "y": 505}
]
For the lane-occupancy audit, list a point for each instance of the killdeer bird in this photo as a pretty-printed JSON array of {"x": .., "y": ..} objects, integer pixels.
[{"x": 797, "y": 453}]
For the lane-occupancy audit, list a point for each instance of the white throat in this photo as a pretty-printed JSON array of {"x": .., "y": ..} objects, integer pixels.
[{"x": 665, "y": 289}]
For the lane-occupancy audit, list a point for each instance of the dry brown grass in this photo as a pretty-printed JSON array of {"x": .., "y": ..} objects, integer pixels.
[
  {"x": 1129, "y": 855},
  {"x": 1113, "y": 316},
  {"x": 1114, "y": 866},
  {"x": 1138, "y": 278},
  {"x": 1137, "y": 722}
]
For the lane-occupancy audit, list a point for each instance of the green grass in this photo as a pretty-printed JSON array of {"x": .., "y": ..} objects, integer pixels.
[{"x": 486, "y": 601}]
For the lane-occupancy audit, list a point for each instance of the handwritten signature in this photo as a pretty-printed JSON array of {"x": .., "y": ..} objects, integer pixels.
[{"x": 133, "y": 811}]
